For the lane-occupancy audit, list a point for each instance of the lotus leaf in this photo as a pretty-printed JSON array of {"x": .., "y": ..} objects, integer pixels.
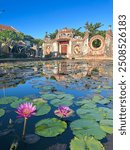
[
  {"x": 83, "y": 127},
  {"x": 2, "y": 112},
  {"x": 7, "y": 100},
  {"x": 60, "y": 102},
  {"x": 16, "y": 103},
  {"x": 46, "y": 88},
  {"x": 42, "y": 109},
  {"x": 97, "y": 98},
  {"x": 107, "y": 126},
  {"x": 57, "y": 147},
  {"x": 104, "y": 101},
  {"x": 107, "y": 87},
  {"x": 31, "y": 138},
  {"x": 59, "y": 92},
  {"x": 86, "y": 143},
  {"x": 107, "y": 112},
  {"x": 88, "y": 113},
  {"x": 65, "y": 96},
  {"x": 86, "y": 103},
  {"x": 50, "y": 127},
  {"x": 39, "y": 101},
  {"x": 48, "y": 96}
]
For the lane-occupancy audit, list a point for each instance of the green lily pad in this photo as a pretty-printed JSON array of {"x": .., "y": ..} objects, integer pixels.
[
  {"x": 59, "y": 92},
  {"x": 39, "y": 101},
  {"x": 107, "y": 112},
  {"x": 90, "y": 113},
  {"x": 98, "y": 91},
  {"x": 46, "y": 88},
  {"x": 65, "y": 96},
  {"x": 107, "y": 87},
  {"x": 2, "y": 112},
  {"x": 7, "y": 100},
  {"x": 42, "y": 109},
  {"x": 110, "y": 98},
  {"x": 97, "y": 98},
  {"x": 86, "y": 143},
  {"x": 86, "y": 103},
  {"x": 104, "y": 101},
  {"x": 50, "y": 127},
  {"x": 16, "y": 103},
  {"x": 49, "y": 96},
  {"x": 83, "y": 127},
  {"x": 60, "y": 102},
  {"x": 107, "y": 126}
]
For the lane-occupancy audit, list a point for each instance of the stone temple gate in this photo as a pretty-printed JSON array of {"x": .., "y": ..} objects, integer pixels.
[{"x": 70, "y": 46}]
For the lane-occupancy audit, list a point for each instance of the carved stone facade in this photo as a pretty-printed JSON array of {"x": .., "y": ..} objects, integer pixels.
[{"x": 70, "y": 46}]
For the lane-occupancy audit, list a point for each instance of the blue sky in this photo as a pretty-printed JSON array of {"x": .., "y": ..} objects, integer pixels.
[{"x": 35, "y": 17}]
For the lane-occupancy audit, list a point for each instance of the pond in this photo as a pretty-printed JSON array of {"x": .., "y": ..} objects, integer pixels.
[{"x": 83, "y": 86}]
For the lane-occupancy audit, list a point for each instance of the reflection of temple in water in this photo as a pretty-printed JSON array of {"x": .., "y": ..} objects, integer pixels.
[{"x": 62, "y": 70}]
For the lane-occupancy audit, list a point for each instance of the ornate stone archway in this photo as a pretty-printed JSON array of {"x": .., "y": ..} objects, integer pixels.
[{"x": 97, "y": 50}]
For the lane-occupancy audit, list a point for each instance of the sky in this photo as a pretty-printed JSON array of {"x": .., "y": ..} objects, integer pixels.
[{"x": 35, "y": 17}]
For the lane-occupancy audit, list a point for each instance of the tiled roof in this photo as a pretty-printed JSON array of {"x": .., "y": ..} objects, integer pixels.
[{"x": 4, "y": 27}]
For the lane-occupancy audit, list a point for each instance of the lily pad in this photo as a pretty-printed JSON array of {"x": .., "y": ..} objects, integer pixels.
[
  {"x": 7, "y": 100},
  {"x": 42, "y": 109},
  {"x": 31, "y": 138},
  {"x": 61, "y": 102},
  {"x": 107, "y": 87},
  {"x": 107, "y": 112},
  {"x": 104, "y": 101},
  {"x": 2, "y": 112},
  {"x": 57, "y": 147},
  {"x": 65, "y": 96},
  {"x": 86, "y": 143},
  {"x": 83, "y": 127},
  {"x": 46, "y": 88},
  {"x": 59, "y": 92},
  {"x": 107, "y": 126},
  {"x": 86, "y": 103},
  {"x": 16, "y": 103},
  {"x": 6, "y": 131},
  {"x": 97, "y": 98},
  {"x": 50, "y": 127},
  {"x": 90, "y": 113},
  {"x": 38, "y": 101},
  {"x": 49, "y": 96}
]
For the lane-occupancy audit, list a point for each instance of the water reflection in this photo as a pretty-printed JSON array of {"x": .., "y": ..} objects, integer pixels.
[{"x": 12, "y": 74}]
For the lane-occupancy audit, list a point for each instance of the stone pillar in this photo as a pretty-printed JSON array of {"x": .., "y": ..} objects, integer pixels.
[
  {"x": 109, "y": 43},
  {"x": 43, "y": 50},
  {"x": 85, "y": 43},
  {"x": 69, "y": 51}
]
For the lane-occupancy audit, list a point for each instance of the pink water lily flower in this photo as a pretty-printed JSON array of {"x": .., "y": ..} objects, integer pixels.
[
  {"x": 26, "y": 110},
  {"x": 63, "y": 111}
]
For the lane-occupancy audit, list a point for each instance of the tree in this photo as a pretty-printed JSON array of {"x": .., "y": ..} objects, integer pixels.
[
  {"x": 93, "y": 29},
  {"x": 7, "y": 37},
  {"x": 77, "y": 32},
  {"x": 39, "y": 42},
  {"x": 53, "y": 35}
]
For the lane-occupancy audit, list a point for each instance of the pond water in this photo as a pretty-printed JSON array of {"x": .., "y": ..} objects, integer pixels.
[{"x": 84, "y": 86}]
